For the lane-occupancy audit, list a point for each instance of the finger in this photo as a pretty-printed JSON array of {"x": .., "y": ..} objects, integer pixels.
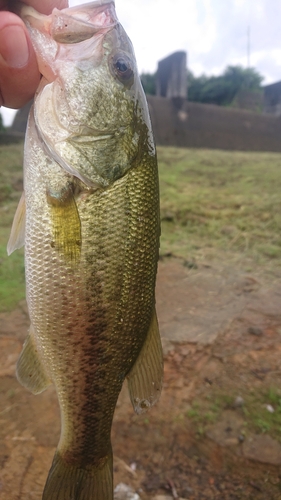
[
  {"x": 43, "y": 6},
  {"x": 46, "y": 6},
  {"x": 19, "y": 74}
]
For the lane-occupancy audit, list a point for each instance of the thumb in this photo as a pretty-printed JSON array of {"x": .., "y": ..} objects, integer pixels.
[{"x": 19, "y": 74}]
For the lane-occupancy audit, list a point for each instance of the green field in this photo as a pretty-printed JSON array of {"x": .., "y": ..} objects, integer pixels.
[
  {"x": 12, "y": 288},
  {"x": 214, "y": 205},
  {"x": 221, "y": 204}
]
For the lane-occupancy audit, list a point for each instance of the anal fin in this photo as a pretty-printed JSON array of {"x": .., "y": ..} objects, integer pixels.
[
  {"x": 30, "y": 370},
  {"x": 16, "y": 239},
  {"x": 145, "y": 378}
]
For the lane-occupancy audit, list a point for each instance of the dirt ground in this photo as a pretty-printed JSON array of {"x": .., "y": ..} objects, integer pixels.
[{"x": 221, "y": 331}]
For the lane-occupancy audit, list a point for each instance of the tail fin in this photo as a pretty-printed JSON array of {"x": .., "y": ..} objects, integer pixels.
[{"x": 67, "y": 482}]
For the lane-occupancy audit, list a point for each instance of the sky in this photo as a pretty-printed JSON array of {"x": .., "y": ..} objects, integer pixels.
[{"x": 214, "y": 33}]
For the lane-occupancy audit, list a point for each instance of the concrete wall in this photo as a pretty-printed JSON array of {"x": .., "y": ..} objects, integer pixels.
[
  {"x": 272, "y": 99},
  {"x": 177, "y": 122},
  {"x": 171, "y": 76},
  {"x": 249, "y": 100},
  {"x": 10, "y": 138},
  {"x": 189, "y": 124},
  {"x": 20, "y": 120}
]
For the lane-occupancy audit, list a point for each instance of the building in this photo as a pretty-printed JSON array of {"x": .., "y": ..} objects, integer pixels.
[{"x": 272, "y": 99}]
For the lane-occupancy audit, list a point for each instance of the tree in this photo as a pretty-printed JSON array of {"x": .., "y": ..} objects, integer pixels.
[
  {"x": 148, "y": 81},
  {"x": 222, "y": 89},
  {"x": 219, "y": 90}
]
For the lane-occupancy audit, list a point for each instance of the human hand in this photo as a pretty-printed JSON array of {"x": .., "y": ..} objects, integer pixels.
[{"x": 19, "y": 74}]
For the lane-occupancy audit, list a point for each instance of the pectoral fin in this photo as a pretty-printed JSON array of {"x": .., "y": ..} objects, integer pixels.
[
  {"x": 16, "y": 239},
  {"x": 145, "y": 378},
  {"x": 30, "y": 370},
  {"x": 66, "y": 225}
]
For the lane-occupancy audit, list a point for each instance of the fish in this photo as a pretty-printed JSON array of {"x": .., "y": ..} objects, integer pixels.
[{"x": 89, "y": 221}]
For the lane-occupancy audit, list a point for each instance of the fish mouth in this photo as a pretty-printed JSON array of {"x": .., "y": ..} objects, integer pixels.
[{"x": 72, "y": 25}]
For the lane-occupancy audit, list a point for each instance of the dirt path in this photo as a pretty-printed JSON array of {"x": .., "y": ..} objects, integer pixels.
[{"x": 210, "y": 436}]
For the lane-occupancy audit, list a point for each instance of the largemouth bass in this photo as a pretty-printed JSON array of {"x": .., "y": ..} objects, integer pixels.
[{"x": 89, "y": 219}]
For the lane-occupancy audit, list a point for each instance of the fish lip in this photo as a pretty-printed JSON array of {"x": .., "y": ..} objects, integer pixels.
[
  {"x": 53, "y": 24},
  {"x": 95, "y": 3},
  {"x": 67, "y": 26}
]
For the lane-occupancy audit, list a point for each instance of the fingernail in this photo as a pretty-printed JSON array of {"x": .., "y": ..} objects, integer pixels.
[{"x": 13, "y": 46}]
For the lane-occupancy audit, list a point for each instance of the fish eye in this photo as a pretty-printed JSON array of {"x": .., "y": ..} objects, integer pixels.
[{"x": 122, "y": 67}]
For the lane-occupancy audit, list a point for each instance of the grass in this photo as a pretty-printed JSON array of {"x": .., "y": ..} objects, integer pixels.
[
  {"x": 213, "y": 204},
  {"x": 12, "y": 287},
  {"x": 220, "y": 201},
  {"x": 257, "y": 414},
  {"x": 207, "y": 411},
  {"x": 257, "y": 418}
]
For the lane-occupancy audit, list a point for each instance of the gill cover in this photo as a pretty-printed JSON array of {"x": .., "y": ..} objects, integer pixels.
[{"x": 89, "y": 69}]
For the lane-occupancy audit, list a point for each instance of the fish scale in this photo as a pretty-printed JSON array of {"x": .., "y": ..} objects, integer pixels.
[{"x": 91, "y": 235}]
